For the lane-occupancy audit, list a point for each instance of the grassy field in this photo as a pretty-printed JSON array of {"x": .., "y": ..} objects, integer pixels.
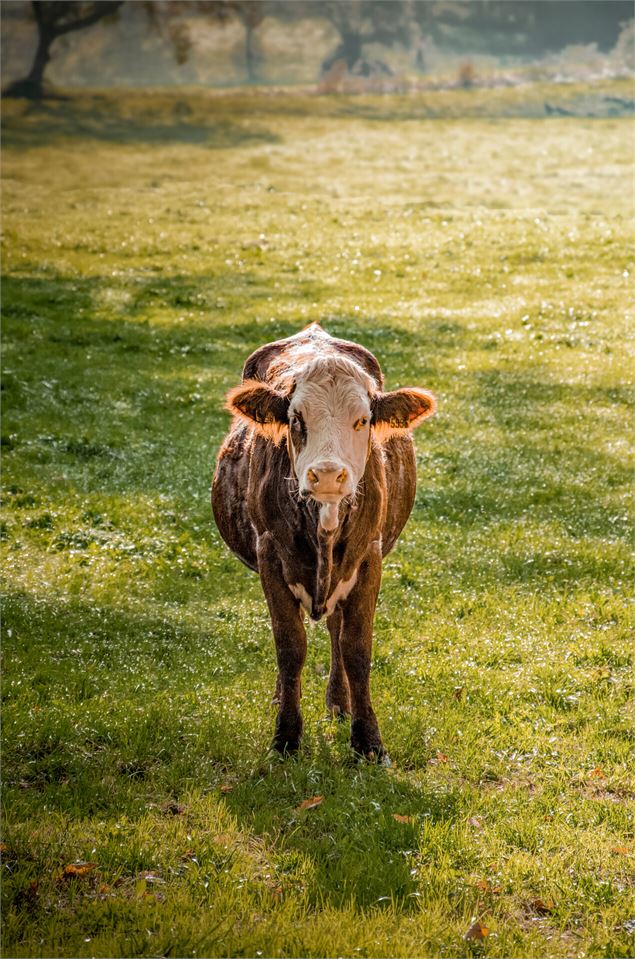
[{"x": 151, "y": 242}]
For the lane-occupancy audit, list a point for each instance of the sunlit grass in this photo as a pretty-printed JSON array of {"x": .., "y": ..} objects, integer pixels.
[{"x": 488, "y": 260}]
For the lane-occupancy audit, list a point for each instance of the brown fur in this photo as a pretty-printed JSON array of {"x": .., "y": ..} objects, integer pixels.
[{"x": 274, "y": 532}]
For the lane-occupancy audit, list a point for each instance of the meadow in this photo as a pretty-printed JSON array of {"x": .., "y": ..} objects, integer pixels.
[{"x": 480, "y": 250}]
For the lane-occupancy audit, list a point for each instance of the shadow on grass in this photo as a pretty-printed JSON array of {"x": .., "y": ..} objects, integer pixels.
[
  {"x": 213, "y": 121},
  {"x": 91, "y": 378},
  {"x": 120, "y": 697},
  {"x": 359, "y": 851},
  {"x": 110, "y": 751},
  {"x": 111, "y": 721},
  {"x": 108, "y": 120}
]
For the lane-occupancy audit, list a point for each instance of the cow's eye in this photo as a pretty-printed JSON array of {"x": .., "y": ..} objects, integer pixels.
[{"x": 360, "y": 423}]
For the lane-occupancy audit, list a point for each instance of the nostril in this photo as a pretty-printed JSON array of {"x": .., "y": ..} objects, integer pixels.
[{"x": 341, "y": 476}]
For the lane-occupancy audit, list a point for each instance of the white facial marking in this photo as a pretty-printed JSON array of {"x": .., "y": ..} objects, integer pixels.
[
  {"x": 340, "y": 592},
  {"x": 332, "y": 398}
]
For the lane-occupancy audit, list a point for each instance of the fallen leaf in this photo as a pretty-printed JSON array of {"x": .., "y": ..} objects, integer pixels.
[
  {"x": 78, "y": 869},
  {"x": 173, "y": 808},
  {"x": 548, "y": 818},
  {"x": 310, "y": 803},
  {"x": 485, "y": 886},
  {"x": 475, "y": 823},
  {"x": 620, "y": 850},
  {"x": 439, "y": 758},
  {"x": 477, "y": 931},
  {"x": 399, "y": 818},
  {"x": 542, "y": 906},
  {"x": 3, "y": 847},
  {"x": 225, "y": 788},
  {"x": 458, "y": 692},
  {"x": 597, "y": 773}
]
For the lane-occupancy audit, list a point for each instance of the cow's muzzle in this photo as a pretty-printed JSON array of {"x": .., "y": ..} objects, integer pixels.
[{"x": 327, "y": 482}]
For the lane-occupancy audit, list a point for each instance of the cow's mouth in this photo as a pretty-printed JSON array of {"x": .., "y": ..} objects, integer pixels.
[{"x": 322, "y": 498}]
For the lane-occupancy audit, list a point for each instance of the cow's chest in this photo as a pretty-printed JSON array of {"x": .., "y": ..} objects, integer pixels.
[
  {"x": 311, "y": 599},
  {"x": 322, "y": 578}
]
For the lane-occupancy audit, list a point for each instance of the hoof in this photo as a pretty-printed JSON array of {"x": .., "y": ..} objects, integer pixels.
[
  {"x": 336, "y": 712},
  {"x": 338, "y": 701},
  {"x": 285, "y": 747},
  {"x": 366, "y": 742},
  {"x": 288, "y": 733}
]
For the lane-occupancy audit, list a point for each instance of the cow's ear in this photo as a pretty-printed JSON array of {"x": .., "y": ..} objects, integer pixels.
[
  {"x": 260, "y": 405},
  {"x": 400, "y": 410}
]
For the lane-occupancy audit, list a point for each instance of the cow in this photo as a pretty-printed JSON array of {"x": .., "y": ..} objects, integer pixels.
[{"x": 313, "y": 484}]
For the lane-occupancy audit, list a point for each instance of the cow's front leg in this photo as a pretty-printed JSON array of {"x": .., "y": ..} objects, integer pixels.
[
  {"x": 290, "y": 638},
  {"x": 356, "y": 638},
  {"x": 338, "y": 695}
]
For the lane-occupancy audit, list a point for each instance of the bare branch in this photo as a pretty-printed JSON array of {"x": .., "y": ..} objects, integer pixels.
[{"x": 102, "y": 9}]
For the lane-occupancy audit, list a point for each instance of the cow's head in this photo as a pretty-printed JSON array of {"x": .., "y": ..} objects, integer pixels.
[{"x": 328, "y": 415}]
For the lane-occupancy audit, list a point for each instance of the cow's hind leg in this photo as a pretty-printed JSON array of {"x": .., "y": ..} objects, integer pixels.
[
  {"x": 338, "y": 694},
  {"x": 358, "y": 612},
  {"x": 290, "y": 638}
]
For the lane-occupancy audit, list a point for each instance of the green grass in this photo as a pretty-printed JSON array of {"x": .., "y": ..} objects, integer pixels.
[{"x": 487, "y": 259}]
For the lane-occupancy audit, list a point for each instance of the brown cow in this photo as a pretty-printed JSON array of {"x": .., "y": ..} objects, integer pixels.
[{"x": 313, "y": 485}]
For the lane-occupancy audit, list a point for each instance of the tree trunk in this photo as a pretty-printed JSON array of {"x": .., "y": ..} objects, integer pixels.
[
  {"x": 32, "y": 86},
  {"x": 349, "y": 49},
  {"x": 352, "y": 48},
  {"x": 42, "y": 57},
  {"x": 52, "y": 23},
  {"x": 250, "y": 54}
]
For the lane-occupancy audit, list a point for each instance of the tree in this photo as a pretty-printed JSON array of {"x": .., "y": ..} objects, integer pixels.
[
  {"x": 251, "y": 13},
  {"x": 360, "y": 22},
  {"x": 54, "y": 18},
  {"x": 174, "y": 19},
  {"x": 528, "y": 28}
]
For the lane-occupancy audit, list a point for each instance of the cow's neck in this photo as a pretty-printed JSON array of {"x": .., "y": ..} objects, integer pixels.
[
  {"x": 337, "y": 556},
  {"x": 328, "y": 556},
  {"x": 323, "y": 571}
]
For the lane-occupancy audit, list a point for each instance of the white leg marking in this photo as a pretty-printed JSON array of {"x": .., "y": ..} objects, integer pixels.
[
  {"x": 340, "y": 592},
  {"x": 302, "y": 596}
]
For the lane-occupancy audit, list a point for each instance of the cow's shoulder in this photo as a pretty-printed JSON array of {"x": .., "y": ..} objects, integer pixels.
[{"x": 400, "y": 477}]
